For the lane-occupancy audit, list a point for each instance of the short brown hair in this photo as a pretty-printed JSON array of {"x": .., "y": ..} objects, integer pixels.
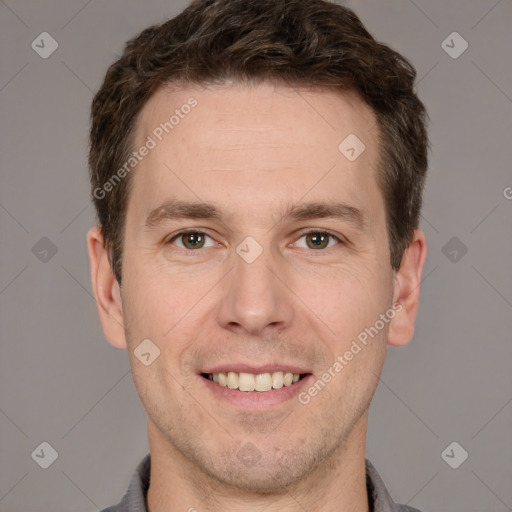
[{"x": 294, "y": 42}]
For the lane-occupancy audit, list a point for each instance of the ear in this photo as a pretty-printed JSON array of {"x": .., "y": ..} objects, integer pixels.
[
  {"x": 106, "y": 289},
  {"x": 406, "y": 291}
]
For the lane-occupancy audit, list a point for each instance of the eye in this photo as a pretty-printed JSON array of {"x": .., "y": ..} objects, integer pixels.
[
  {"x": 319, "y": 239},
  {"x": 190, "y": 239}
]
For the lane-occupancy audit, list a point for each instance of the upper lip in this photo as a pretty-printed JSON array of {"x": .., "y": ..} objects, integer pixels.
[{"x": 247, "y": 368}]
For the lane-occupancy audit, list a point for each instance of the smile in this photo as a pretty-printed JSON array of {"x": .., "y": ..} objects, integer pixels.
[
  {"x": 261, "y": 382},
  {"x": 253, "y": 389}
]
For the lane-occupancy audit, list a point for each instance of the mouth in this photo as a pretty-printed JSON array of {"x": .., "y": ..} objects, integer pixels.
[
  {"x": 255, "y": 388},
  {"x": 249, "y": 382}
]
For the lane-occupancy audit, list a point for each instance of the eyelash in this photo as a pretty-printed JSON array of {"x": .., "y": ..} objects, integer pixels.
[{"x": 191, "y": 251}]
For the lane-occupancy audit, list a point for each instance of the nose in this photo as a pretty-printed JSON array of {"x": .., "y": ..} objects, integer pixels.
[{"x": 256, "y": 296}]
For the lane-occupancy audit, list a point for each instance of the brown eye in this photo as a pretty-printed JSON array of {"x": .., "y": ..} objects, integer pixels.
[
  {"x": 193, "y": 240},
  {"x": 190, "y": 240},
  {"x": 319, "y": 239}
]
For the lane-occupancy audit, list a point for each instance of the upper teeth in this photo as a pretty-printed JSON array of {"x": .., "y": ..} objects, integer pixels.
[{"x": 249, "y": 382}]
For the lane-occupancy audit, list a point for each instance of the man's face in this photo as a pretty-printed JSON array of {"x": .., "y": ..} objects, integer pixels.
[{"x": 211, "y": 302}]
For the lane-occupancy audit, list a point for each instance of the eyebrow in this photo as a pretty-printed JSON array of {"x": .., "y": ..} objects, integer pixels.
[{"x": 177, "y": 209}]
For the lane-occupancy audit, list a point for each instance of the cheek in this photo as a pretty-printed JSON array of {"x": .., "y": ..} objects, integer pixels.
[
  {"x": 348, "y": 301},
  {"x": 155, "y": 302},
  {"x": 168, "y": 312}
]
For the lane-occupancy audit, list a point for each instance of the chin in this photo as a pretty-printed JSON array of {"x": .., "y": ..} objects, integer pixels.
[
  {"x": 266, "y": 476},
  {"x": 265, "y": 480}
]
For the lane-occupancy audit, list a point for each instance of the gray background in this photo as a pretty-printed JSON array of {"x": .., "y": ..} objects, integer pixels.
[{"x": 62, "y": 383}]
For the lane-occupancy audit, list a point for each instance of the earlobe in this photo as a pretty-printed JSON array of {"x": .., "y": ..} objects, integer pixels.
[
  {"x": 406, "y": 292},
  {"x": 106, "y": 289}
]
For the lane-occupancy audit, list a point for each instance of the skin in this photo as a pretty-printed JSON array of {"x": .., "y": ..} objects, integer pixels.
[{"x": 254, "y": 151}]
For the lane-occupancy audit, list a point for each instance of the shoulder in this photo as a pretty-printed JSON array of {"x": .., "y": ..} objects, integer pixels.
[
  {"x": 135, "y": 498},
  {"x": 379, "y": 497}
]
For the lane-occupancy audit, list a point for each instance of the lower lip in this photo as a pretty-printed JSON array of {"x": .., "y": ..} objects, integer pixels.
[{"x": 256, "y": 399}]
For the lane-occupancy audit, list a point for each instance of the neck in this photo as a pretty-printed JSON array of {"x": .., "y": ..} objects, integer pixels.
[{"x": 337, "y": 484}]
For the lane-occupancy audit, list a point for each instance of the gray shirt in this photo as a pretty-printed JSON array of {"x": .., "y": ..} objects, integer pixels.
[{"x": 135, "y": 498}]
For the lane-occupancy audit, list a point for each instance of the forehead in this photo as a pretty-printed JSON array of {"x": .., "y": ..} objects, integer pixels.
[
  {"x": 254, "y": 143},
  {"x": 240, "y": 116}
]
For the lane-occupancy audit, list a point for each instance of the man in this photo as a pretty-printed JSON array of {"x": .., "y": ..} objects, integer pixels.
[{"x": 257, "y": 169}]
